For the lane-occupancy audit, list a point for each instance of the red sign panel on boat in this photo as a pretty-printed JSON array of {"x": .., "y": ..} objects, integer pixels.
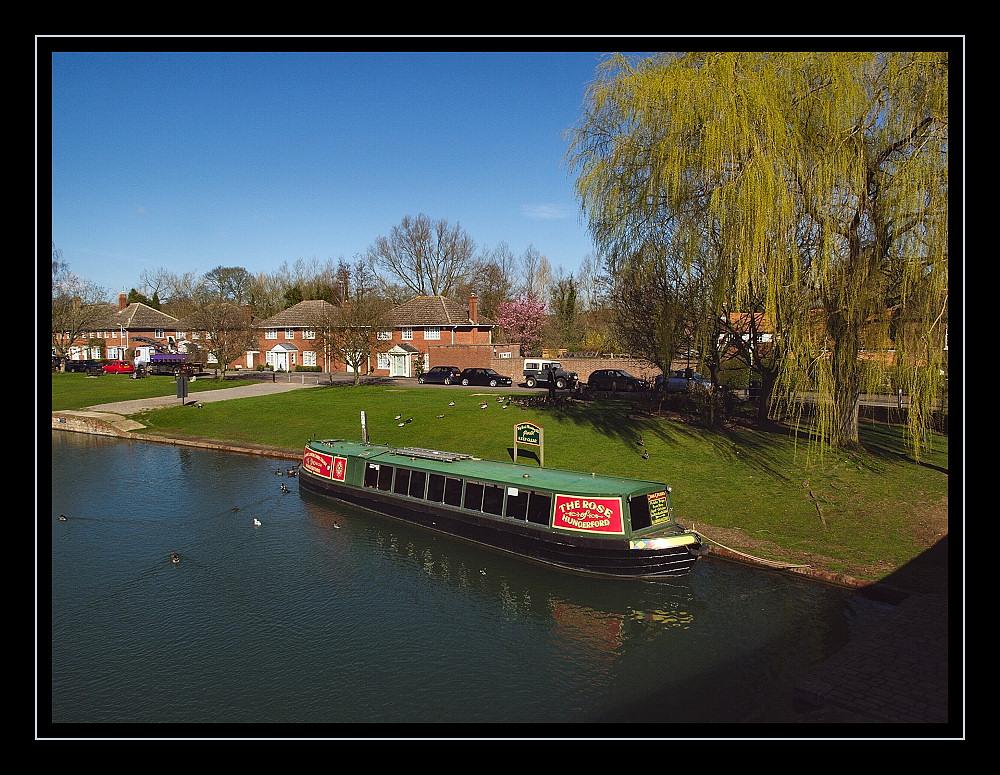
[{"x": 589, "y": 515}]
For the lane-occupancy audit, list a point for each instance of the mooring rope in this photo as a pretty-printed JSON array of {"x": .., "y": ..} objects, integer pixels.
[{"x": 762, "y": 560}]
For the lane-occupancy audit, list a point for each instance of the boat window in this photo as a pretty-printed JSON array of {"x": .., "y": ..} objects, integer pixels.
[
  {"x": 453, "y": 491},
  {"x": 493, "y": 499},
  {"x": 539, "y": 506},
  {"x": 517, "y": 505},
  {"x": 417, "y": 481},
  {"x": 435, "y": 488},
  {"x": 371, "y": 475},
  {"x": 638, "y": 507},
  {"x": 474, "y": 496},
  {"x": 402, "y": 484},
  {"x": 385, "y": 477}
]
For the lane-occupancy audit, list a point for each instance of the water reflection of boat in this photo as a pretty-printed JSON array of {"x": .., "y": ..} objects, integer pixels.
[
  {"x": 584, "y": 609},
  {"x": 602, "y": 525}
]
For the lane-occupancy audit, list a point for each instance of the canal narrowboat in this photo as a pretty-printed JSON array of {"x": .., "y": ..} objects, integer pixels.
[{"x": 587, "y": 523}]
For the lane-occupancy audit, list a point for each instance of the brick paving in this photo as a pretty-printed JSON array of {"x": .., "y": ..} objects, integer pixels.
[{"x": 896, "y": 671}]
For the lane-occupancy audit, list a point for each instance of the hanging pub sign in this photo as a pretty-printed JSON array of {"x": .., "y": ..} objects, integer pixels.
[{"x": 530, "y": 434}]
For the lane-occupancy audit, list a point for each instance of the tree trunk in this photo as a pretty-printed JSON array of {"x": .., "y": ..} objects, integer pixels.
[
  {"x": 846, "y": 373},
  {"x": 767, "y": 379}
]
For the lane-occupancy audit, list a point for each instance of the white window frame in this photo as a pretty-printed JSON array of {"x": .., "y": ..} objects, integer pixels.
[
  {"x": 432, "y": 332},
  {"x": 385, "y": 336},
  {"x": 309, "y": 334},
  {"x": 270, "y": 333},
  {"x": 407, "y": 334},
  {"x": 289, "y": 333},
  {"x": 308, "y": 357},
  {"x": 383, "y": 361}
]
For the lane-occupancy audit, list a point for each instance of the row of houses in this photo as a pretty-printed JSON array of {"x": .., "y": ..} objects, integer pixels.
[{"x": 423, "y": 332}]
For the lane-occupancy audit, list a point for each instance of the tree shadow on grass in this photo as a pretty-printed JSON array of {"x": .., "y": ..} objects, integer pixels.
[{"x": 627, "y": 421}]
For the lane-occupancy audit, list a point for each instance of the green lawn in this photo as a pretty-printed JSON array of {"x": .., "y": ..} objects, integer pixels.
[
  {"x": 75, "y": 391},
  {"x": 862, "y": 514}
]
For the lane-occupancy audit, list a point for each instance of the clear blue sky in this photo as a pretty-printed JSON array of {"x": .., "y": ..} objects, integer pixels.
[{"x": 189, "y": 161}]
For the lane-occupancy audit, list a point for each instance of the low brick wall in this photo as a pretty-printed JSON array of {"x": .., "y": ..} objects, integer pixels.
[{"x": 514, "y": 368}]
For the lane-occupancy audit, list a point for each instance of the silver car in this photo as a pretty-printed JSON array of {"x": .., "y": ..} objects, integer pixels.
[{"x": 684, "y": 379}]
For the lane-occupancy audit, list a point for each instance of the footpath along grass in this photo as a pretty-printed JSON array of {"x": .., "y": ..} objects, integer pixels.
[
  {"x": 862, "y": 514},
  {"x": 76, "y": 391}
]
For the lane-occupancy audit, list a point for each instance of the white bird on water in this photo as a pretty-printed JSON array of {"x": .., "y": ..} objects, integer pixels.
[{"x": 256, "y": 522}]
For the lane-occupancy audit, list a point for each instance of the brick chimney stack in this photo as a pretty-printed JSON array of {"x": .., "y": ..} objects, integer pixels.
[
  {"x": 474, "y": 308},
  {"x": 122, "y": 301}
]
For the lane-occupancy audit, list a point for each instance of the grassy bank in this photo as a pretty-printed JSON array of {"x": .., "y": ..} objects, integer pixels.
[{"x": 760, "y": 490}]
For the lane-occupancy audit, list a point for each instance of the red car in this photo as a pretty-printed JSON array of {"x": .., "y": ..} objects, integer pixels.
[{"x": 118, "y": 367}]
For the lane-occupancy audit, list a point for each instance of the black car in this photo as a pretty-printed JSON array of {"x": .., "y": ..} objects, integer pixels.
[
  {"x": 484, "y": 377},
  {"x": 613, "y": 380},
  {"x": 89, "y": 367},
  {"x": 440, "y": 375}
]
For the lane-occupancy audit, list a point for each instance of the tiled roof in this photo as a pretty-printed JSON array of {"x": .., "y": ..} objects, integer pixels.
[
  {"x": 403, "y": 347},
  {"x": 193, "y": 322},
  {"x": 305, "y": 313},
  {"x": 138, "y": 315},
  {"x": 432, "y": 311}
]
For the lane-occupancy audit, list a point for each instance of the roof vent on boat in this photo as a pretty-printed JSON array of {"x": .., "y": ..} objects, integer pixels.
[{"x": 431, "y": 454}]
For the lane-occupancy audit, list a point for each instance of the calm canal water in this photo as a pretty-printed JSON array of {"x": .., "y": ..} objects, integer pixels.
[{"x": 324, "y": 614}]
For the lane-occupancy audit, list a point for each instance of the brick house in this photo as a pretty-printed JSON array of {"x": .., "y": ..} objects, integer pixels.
[
  {"x": 420, "y": 328},
  {"x": 290, "y": 339},
  {"x": 113, "y": 337},
  {"x": 429, "y": 330}
]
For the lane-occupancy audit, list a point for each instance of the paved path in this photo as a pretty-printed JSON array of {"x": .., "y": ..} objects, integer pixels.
[
  {"x": 205, "y": 396},
  {"x": 894, "y": 672}
]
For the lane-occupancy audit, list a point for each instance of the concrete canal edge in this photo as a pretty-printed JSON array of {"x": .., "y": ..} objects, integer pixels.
[{"x": 110, "y": 424}]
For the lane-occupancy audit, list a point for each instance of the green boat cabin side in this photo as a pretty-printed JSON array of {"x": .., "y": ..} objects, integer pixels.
[{"x": 554, "y": 499}]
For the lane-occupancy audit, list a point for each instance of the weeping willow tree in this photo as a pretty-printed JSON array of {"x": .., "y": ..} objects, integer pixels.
[{"x": 820, "y": 180}]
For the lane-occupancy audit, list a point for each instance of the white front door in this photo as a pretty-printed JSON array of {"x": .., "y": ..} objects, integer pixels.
[{"x": 398, "y": 365}]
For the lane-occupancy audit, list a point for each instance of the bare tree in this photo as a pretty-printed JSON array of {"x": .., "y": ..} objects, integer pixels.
[
  {"x": 428, "y": 258},
  {"x": 496, "y": 280},
  {"x": 229, "y": 331},
  {"x": 78, "y": 307},
  {"x": 351, "y": 330}
]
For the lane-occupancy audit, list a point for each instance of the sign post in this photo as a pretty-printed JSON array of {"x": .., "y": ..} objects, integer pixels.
[
  {"x": 182, "y": 388},
  {"x": 532, "y": 435}
]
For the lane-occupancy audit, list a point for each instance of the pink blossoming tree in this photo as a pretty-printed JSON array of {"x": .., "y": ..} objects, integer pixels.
[{"x": 521, "y": 321}]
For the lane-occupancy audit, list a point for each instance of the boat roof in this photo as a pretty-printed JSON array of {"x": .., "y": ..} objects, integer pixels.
[{"x": 494, "y": 471}]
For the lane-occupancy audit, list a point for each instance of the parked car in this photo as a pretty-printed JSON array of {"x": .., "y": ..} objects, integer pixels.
[
  {"x": 615, "y": 380},
  {"x": 538, "y": 371},
  {"x": 683, "y": 380},
  {"x": 484, "y": 377},
  {"x": 88, "y": 366},
  {"x": 440, "y": 375},
  {"x": 118, "y": 367}
]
